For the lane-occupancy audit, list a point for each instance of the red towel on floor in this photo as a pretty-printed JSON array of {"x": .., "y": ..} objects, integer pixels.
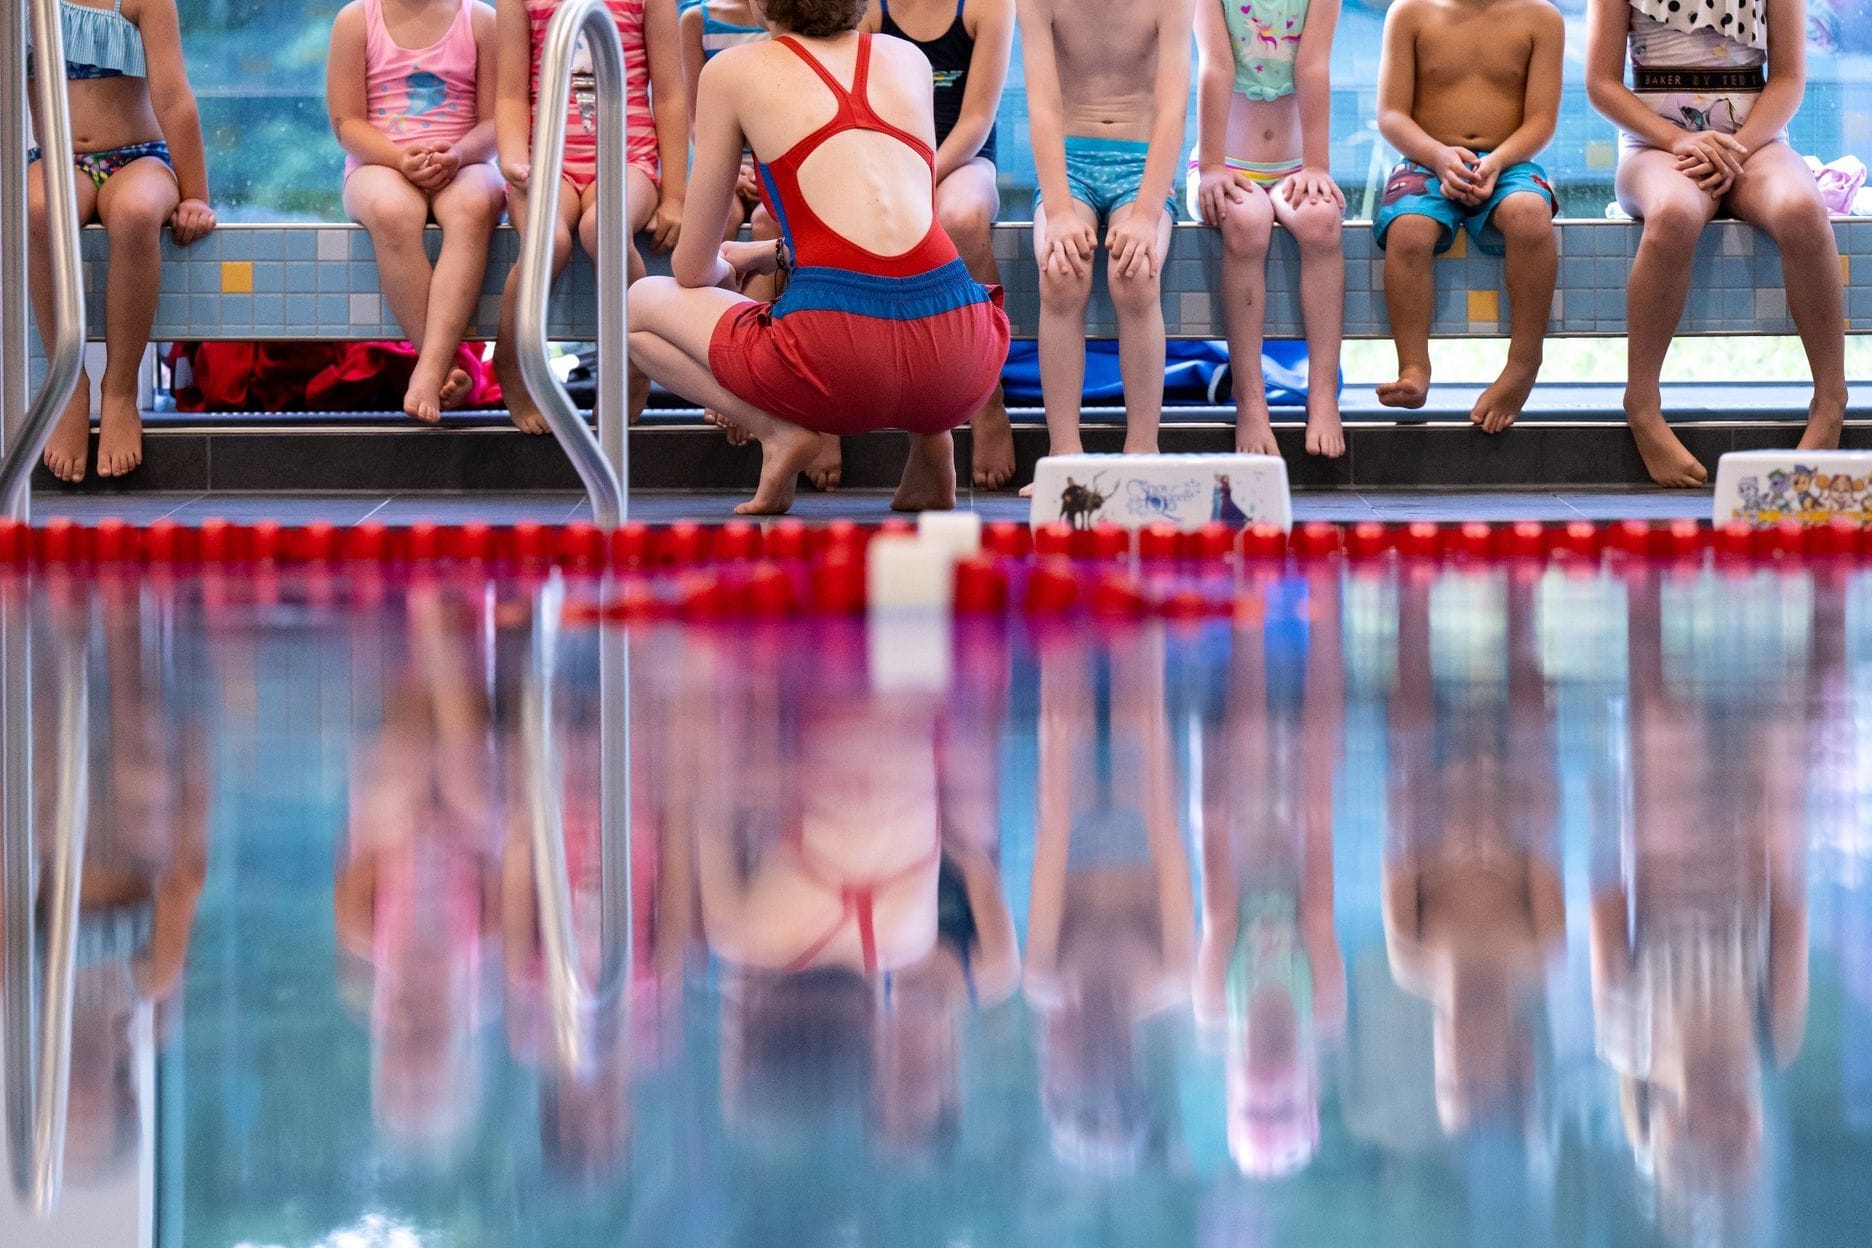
[{"x": 310, "y": 376}]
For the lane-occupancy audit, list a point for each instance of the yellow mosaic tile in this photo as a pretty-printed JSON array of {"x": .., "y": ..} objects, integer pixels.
[
  {"x": 1846, "y": 270},
  {"x": 1458, "y": 249},
  {"x": 1484, "y": 307},
  {"x": 237, "y": 277}
]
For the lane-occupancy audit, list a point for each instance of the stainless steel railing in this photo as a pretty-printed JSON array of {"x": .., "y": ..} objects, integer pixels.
[
  {"x": 37, "y": 1006},
  {"x": 27, "y": 426},
  {"x": 602, "y": 461},
  {"x": 578, "y": 1004}
]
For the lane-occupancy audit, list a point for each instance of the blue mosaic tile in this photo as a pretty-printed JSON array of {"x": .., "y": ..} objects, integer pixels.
[
  {"x": 302, "y": 278},
  {"x": 301, "y": 244}
]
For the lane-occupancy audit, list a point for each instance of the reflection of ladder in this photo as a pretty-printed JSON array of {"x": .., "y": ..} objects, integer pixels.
[
  {"x": 24, "y": 425},
  {"x": 602, "y": 461},
  {"x": 36, "y": 981}
]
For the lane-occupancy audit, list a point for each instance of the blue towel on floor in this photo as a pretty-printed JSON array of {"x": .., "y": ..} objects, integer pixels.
[{"x": 1194, "y": 372}]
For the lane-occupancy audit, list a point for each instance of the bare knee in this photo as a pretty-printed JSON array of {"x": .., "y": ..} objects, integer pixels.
[
  {"x": 137, "y": 220},
  {"x": 1524, "y": 220},
  {"x": 648, "y": 304},
  {"x": 1676, "y": 221},
  {"x": 1412, "y": 238},
  {"x": 1797, "y": 219},
  {"x": 393, "y": 224},
  {"x": 1318, "y": 227},
  {"x": 1134, "y": 294},
  {"x": 1065, "y": 292},
  {"x": 1246, "y": 229},
  {"x": 967, "y": 222}
]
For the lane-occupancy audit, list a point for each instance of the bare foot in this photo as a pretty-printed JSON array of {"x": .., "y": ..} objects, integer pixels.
[
  {"x": 526, "y": 417},
  {"x": 1325, "y": 435},
  {"x": 1668, "y": 461},
  {"x": 992, "y": 445},
  {"x": 1411, "y": 389},
  {"x": 1826, "y": 417},
  {"x": 737, "y": 436},
  {"x": 638, "y": 390},
  {"x": 827, "y": 469},
  {"x": 455, "y": 390},
  {"x": 1502, "y": 402},
  {"x": 1026, "y": 491},
  {"x": 120, "y": 436},
  {"x": 929, "y": 480},
  {"x": 1254, "y": 433},
  {"x": 785, "y": 452},
  {"x": 70, "y": 445},
  {"x": 423, "y": 400}
]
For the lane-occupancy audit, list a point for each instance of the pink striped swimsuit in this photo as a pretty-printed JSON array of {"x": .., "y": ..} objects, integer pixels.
[
  {"x": 581, "y": 146},
  {"x": 420, "y": 95}
]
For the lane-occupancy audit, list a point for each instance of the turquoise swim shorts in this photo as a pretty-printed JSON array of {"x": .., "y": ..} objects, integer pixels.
[
  {"x": 1105, "y": 175},
  {"x": 1413, "y": 191}
]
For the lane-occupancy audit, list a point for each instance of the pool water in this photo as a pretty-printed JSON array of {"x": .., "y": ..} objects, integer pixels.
[{"x": 1408, "y": 905}]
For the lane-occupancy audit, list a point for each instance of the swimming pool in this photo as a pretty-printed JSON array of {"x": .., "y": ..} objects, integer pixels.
[{"x": 1403, "y": 901}]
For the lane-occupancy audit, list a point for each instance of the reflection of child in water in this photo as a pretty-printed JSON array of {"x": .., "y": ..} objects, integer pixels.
[
  {"x": 415, "y": 899},
  {"x": 1109, "y": 923},
  {"x": 1269, "y": 975},
  {"x": 1699, "y": 925},
  {"x": 1473, "y": 908}
]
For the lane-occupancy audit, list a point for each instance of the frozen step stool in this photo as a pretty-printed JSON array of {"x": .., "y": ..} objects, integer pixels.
[
  {"x": 1189, "y": 491},
  {"x": 1765, "y": 488}
]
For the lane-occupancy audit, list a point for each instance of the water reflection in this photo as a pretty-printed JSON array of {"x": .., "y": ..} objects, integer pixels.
[{"x": 1478, "y": 892}]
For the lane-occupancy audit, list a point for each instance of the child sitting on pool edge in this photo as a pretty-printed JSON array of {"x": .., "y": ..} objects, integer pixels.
[
  {"x": 1469, "y": 95},
  {"x": 1106, "y": 161},
  {"x": 655, "y": 149},
  {"x": 410, "y": 87},
  {"x": 138, "y": 142}
]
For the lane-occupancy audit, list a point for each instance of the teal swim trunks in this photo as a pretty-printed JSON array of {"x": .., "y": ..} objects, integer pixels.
[
  {"x": 1413, "y": 191},
  {"x": 1105, "y": 174}
]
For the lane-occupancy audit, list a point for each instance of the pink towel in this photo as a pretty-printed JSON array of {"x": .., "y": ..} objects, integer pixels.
[{"x": 1839, "y": 181}]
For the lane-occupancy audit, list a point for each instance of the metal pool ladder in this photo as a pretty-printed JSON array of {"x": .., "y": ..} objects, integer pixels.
[
  {"x": 602, "y": 461},
  {"x": 25, "y": 426}
]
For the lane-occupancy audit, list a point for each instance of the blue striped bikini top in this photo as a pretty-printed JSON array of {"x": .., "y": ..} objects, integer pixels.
[{"x": 99, "y": 43}]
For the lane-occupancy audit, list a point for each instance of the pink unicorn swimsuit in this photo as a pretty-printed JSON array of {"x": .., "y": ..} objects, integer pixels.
[{"x": 420, "y": 95}]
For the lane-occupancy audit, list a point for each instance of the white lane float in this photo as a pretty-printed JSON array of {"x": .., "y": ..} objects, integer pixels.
[
  {"x": 1766, "y": 488},
  {"x": 1189, "y": 491}
]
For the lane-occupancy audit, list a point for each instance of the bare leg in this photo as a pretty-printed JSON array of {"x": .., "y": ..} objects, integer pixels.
[
  {"x": 670, "y": 332},
  {"x": 467, "y": 209},
  {"x": 827, "y": 469},
  {"x": 521, "y": 408},
  {"x": 929, "y": 478},
  {"x": 1063, "y": 302},
  {"x": 70, "y": 444},
  {"x": 1777, "y": 195},
  {"x": 1533, "y": 266},
  {"x": 1674, "y": 212},
  {"x": 1318, "y": 227},
  {"x": 1141, "y": 344},
  {"x": 967, "y": 203},
  {"x": 1247, "y": 229},
  {"x": 642, "y": 199},
  {"x": 394, "y": 213},
  {"x": 1410, "y": 301},
  {"x": 134, "y": 206}
]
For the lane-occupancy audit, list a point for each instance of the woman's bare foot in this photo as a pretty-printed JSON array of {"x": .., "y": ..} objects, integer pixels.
[
  {"x": 1325, "y": 434},
  {"x": 423, "y": 400},
  {"x": 991, "y": 441},
  {"x": 827, "y": 469},
  {"x": 929, "y": 481},
  {"x": 1254, "y": 430},
  {"x": 120, "y": 436},
  {"x": 1411, "y": 389},
  {"x": 1826, "y": 418},
  {"x": 456, "y": 390},
  {"x": 737, "y": 436},
  {"x": 1669, "y": 462},
  {"x": 785, "y": 451},
  {"x": 1502, "y": 402},
  {"x": 70, "y": 444}
]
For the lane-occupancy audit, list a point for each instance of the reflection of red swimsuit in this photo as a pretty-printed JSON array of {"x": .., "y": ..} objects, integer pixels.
[
  {"x": 860, "y": 341},
  {"x": 857, "y": 899}
]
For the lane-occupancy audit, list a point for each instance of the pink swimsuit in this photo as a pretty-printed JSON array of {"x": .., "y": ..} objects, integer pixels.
[
  {"x": 581, "y": 146},
  {"x": 420, "y": 95}
]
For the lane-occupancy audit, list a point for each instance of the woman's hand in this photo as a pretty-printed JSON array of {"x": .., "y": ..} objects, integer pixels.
[
  {"x": 1216, "y": 189},
  {"x": 192, "y": 220},
  {"x": 1312, "y": 185},
  {"x": 747, "y": 261}
]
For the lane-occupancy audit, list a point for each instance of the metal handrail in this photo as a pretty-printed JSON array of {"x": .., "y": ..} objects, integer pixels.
[
  {"x": 38, "y": 1000},
  {"x": 68, "y": 310},
  {"x": 601, "y": 461},
  {"x": 575, "y": 1004}
]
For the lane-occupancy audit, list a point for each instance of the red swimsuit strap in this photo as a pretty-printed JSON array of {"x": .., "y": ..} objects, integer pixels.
[
  {"x": 854, "y": 108},
  {"x": 857, "y": 898}
]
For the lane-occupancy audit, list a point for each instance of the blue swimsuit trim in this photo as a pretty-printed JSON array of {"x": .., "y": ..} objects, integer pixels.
[{"x": 946, "y": 288}]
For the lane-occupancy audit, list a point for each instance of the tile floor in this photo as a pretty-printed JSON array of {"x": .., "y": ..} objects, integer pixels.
[{"x": 1343, "y": 507}]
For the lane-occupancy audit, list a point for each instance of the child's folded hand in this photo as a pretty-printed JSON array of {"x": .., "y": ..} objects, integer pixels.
[
  {"x": 445, "y": 162},
  {"x": 1486, "y": 173},
  {"x": 1720, "y": 152},
  {"x": 1313, "y": 186},
  {"x": 1216, "y": 189},
  {"x": 192, "y": 220},
  {"x": 1454, "y": 168}
]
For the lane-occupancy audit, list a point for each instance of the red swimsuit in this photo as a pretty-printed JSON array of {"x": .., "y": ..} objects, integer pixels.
[{"x": 859, "y": 341}]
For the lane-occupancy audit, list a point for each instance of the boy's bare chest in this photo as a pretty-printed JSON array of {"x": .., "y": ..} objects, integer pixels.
[
  {"x": 1472, "y": 50},
  {"x": 1108, "y": 38}
]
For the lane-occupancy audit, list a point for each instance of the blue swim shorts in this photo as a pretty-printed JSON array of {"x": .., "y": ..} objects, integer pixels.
[
  {"x": 1105, "y": 175},
  {"x": 1413, "y": 191}
]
